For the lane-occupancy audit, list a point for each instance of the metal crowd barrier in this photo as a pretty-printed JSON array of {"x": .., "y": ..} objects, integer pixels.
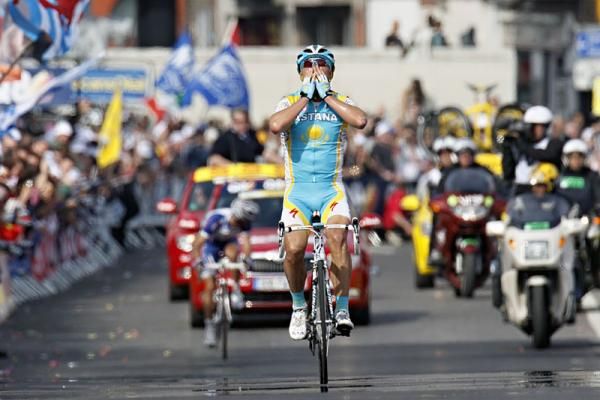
[{"x": 146, "y": 229}]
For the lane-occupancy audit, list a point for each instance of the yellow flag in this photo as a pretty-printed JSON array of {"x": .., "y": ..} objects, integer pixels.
[{"x": 110, "y": 133}]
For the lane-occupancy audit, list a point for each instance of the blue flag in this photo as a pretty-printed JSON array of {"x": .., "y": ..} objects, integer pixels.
[
  {"x": 221, "y": 81},
  {"x": 59, "y": 20},
  {"x": 177, "y": 74}
]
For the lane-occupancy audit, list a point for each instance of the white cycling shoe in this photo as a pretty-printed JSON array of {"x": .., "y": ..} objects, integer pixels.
[
  {"x": 210, "y": 333},
  {"x": 298, "y": 324},
  {"x": 343, "y": 323}
]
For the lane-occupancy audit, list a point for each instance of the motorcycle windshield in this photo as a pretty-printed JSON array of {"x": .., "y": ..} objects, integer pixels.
[
  {"x": 469, "y": 180},
  {"x": 529, "y": 214}
]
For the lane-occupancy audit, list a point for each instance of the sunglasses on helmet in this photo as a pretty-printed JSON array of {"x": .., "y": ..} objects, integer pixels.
[{"x": 319, "y": 61}]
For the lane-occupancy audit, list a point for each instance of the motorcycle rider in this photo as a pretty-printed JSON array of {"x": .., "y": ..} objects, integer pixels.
[
  {"x": 528, "y": 145},
  {"x": 578, "y": 183},
  {"x": 465, "y": 150},
  {"x": 540, "y": 204},
  {"x": 428, "y": 184},
  {"x": 217, "y": 239},
  {"x": 581, "y": 186}
]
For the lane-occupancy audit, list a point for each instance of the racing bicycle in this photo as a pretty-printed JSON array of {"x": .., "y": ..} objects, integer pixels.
[
  {"x": 223, "y": 317},
  {"x": 321, "y": 320}
]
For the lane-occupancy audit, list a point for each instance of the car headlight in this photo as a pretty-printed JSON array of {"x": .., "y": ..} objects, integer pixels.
[
  {"x": 185, "y": 242},
  {"x": 537, "y": 250}
]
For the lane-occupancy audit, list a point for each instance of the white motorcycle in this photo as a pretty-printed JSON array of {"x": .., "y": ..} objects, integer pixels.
[{"x": 537, "y": 284}]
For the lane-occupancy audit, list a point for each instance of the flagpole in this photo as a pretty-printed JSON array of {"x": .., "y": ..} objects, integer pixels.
[
  {"x": 15, "y": 61},
  {"x": 231, "y": 25}
]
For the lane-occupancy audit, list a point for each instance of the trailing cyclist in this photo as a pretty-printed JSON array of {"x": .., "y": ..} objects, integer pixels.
[
  {"x": 217, "y": 239},
  {"x": 312, "y": 122}
]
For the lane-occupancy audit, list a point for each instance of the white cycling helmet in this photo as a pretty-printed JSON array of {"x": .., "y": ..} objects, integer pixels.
[
  {"x": 463, "y": 144},
  {"x": 245, "y": 210},
  {"x": 538, "y": 115},
  {"x": 444, "y": 143}
]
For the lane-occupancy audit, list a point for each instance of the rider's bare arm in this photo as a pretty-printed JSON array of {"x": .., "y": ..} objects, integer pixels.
[
  {"x": 245, "y": 244},
  {"x": 350, "y": 114},
  {"x": 282, "y": 120},
  {"x": 197, "y": 246}
]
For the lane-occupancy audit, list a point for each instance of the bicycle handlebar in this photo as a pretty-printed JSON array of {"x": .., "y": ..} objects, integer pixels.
[
  {"x": 353, "y": 226},
  {"x": 311, "y": 228},
  {"x": 226, "y": 264}
]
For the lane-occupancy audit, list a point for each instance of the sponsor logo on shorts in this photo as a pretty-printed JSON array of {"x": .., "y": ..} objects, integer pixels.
[
  {"x": 294, "y": 212},
  {"x": 335, "y": 203}
]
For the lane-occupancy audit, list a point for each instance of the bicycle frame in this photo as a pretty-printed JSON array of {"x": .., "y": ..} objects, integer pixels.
[
  {"x": 315, "y": 321},
  {"x": 223, "y": 316}
]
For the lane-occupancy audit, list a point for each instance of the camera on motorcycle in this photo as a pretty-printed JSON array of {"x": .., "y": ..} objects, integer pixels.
[{"x": 517, "y": 129}]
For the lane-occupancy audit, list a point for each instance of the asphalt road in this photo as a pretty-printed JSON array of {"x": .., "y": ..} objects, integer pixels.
[{"x": 115, "y": 336}]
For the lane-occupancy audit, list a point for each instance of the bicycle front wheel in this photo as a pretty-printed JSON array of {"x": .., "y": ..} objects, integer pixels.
[
  {"x": 323, "y": 332},
  {"x": 224, "y": 328}
]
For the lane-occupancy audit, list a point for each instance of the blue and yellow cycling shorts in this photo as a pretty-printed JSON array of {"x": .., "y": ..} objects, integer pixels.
[{"x": 314, "y": 149}]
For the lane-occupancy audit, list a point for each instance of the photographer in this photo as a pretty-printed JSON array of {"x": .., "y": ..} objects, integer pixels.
[{"x": 528, "y": 144}]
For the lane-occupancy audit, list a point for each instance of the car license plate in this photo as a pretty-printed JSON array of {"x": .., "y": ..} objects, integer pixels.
[{"x": 273, "y": 283}]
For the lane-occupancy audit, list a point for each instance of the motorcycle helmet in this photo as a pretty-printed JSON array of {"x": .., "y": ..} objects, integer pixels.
[
  {"x": 544, "y": 174},
  {"x": 538, "y": 115},
  {"x": 575, "y": 146},
  {"x": 444, "y": 143},
  {"x": 464, "y": 144},
  {"x": 244, "y": 210},
  {"x": 315, "y": 51}
]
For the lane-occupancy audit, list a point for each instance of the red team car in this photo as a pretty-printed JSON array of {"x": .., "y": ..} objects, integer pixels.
[{"x": 264, "y": 286}]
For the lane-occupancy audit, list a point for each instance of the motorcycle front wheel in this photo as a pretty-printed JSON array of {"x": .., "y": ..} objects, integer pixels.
[
  {"x": 469, "y": 274},
  {"x": 539, "y": 309}
]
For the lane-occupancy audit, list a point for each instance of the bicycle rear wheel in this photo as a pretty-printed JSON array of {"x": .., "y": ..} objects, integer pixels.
[
  {"x": 323, "y": 332},
  {"x": 224, "y": 328}
]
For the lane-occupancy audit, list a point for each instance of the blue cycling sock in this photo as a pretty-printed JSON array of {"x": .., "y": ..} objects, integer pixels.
[
  {"x": 341, "y": 303},
  {"x": 298, "y": 300}
]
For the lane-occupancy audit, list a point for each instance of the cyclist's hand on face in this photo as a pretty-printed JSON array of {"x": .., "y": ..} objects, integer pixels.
[
  {"x": 308, "y": 86},
  {"x": 322, "y": 83}
]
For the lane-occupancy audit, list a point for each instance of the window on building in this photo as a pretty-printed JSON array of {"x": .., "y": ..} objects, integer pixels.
[
  {"x": 260, "y": 22},
  {"x": 153, "y": 14},
  {"x": 328, "y": 25},
  {"x": 260, "y": 30}
]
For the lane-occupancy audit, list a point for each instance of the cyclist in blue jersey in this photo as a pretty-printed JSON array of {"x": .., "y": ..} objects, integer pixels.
[
  {"x": 313, "y": 122},
  {"x": 218, "y": 238}
]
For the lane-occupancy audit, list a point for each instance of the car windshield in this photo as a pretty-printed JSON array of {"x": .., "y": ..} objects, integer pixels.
[
  {"x": 200, "y": 196},
  {"x": 270, "y": 212},
  {"x": 226, "y": 198},
  {"x": 469, "y": 180}
]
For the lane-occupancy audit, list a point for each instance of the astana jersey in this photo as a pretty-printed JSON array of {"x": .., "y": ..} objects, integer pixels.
[{"x": 314, "y": 149}]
